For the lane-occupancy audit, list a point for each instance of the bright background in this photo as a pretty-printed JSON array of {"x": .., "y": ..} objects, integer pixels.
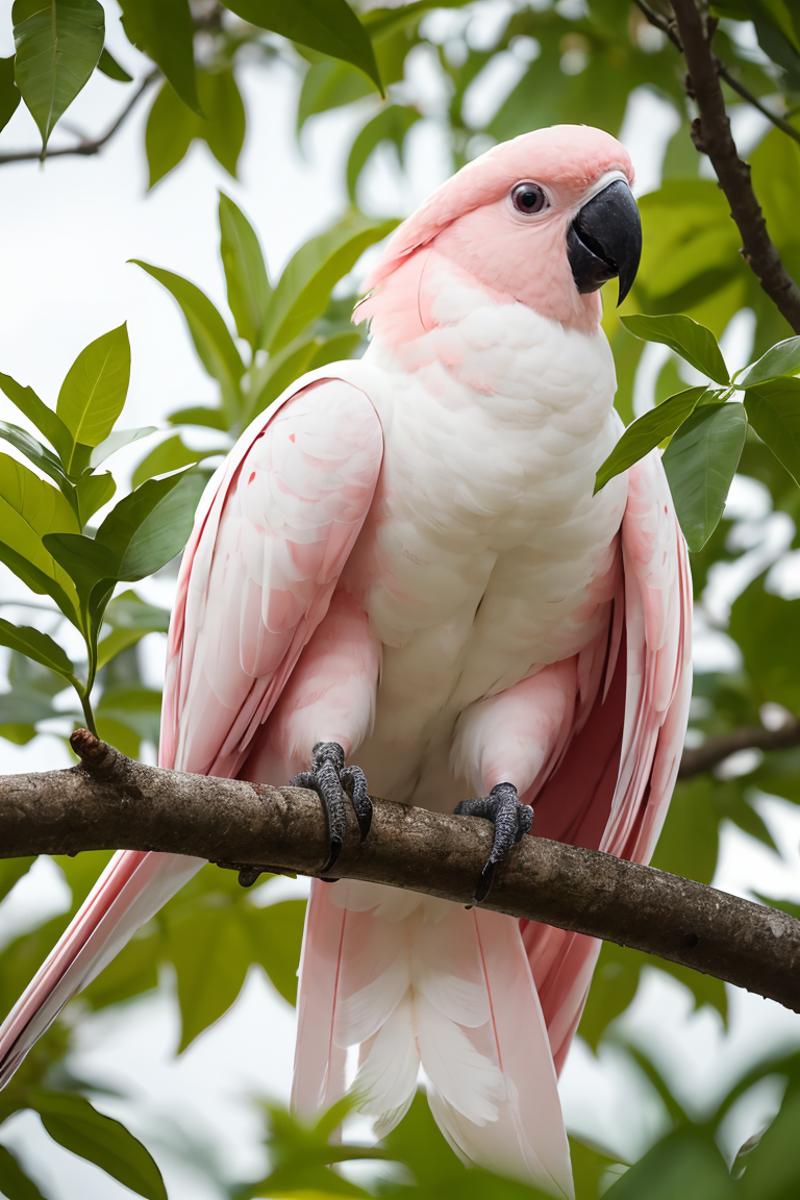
[{"x": 67, "y": 232}]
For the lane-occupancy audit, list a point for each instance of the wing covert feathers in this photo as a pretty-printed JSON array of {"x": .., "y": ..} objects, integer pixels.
[{"x": 272, "y": 534}]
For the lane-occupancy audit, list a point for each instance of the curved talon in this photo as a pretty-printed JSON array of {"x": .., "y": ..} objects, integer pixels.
[
  {"x": 511, "y": 819},
  {"x": 335, "y": 784}
]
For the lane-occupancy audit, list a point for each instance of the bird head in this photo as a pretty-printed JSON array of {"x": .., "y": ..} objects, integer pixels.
[{"x": 544, "y": 219}]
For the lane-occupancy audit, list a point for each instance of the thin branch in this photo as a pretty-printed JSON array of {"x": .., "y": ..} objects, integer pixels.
[
  {"x": 110, "y": 801},
  {"x": 87, "y": 146},
  {"x": 667, "y": 27},
  {"x": 716, "y": 750},
  {"x": 711, "y": 133}
]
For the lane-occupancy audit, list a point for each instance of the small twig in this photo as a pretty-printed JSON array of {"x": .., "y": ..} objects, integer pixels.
[
  {"x": 716, "y": 750},
  {"x": 87, "y": 146},
  {"x": 667, "y": 27},
  {"x": 111, "y": 801},
  {"x": 711, "y": 134}
]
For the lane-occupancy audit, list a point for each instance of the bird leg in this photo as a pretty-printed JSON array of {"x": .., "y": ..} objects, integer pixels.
[
  {"x": 336, "y": 785},
  {"x": 511, "y": 819}
]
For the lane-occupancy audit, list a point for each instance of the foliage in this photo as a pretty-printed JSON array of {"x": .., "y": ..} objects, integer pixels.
[{"x": 76, "y": 537}]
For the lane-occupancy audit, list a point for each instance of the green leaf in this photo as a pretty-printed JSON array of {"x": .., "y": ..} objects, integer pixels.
[
  {"x": 700, "y": 462},
  {"x": 129, "y": 611},
  {"x": 644, "y": 434},
  {"x": 38, "y": 646},
  {"x": 133, "y": 708},
  {"x": 245, "y": 271},
  {"x": 390, "y": 124},
  {"x": 9, "y": 94},
  {"x": 773, "y": 410},
  {"x": 93, "y": 491},
  {"x": 212, "y": 340},
  {"x": 18, "y": 709},
  {"x": 84, "y": 559},
  {"x": 118, "y": 440},
  {"x": 58, "y": 45},
  {"x": 276, "y": 932},
  {"x": 29, "y": 508},
  {"x": 330, "y": 26},
  {"x": 168, "y": 455},
  {"x": 151, "y": 525},
  {"x": 199, "y": 414},
  {"x": 93, "y": 393},
  {"x": 36, "y": 453},
  {"x": 117, "y": 641},
  {"x": 37, "y": 412},
  {"x": 303, "y": 290},
  {"x": 162, "y": 29},
  {"x": 14, "y": 1183},
  {"x": 683, "y": 1164},
  {"x": 764, "y": 626},
  {"x": 171, "y": 128},
  {"x": 782, "y": 359},
  {"x": 211, "y": 952},
  {"x": 40, "y": 581},
  {"x": 77, "y": 1126},
  {"x": 223, "y": 125},
  {"x": 696, "y": 344},
  {"x": 113, "y": 69},
  {"x": 328, "y": 85}
]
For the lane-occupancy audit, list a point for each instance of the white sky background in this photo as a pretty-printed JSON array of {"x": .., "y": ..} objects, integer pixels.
[{"x": 67, "y": 232}]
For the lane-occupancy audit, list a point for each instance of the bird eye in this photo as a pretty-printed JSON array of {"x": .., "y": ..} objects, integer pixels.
[{"x": 528, "y": 198}]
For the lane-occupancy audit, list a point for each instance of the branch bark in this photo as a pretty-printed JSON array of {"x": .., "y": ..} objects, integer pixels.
[
  {"x": 109, "y": 801},
  {"x": 711, "y": 133},
  {"x": 86, "y": 147},
  {"x": 716, "y": 750}
]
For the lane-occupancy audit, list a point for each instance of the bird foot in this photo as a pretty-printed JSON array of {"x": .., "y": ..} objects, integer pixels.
[
  {"x": 511, "y": 819},
  {"x": 337, "y": 785}
]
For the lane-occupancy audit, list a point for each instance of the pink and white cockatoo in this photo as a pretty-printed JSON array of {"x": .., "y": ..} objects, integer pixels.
[{"x": 402, "y": 560}]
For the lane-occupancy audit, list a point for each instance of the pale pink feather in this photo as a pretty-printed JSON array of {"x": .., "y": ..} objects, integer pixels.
[
  {"x": 613, "y": 786},
  {"x": 272, "y": 534}
]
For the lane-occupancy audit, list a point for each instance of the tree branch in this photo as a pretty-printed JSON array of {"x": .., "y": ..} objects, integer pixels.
[
  {"x": 87, "y": 146},
  {"x": 109, "y": 801},
  {"x": 667, "y": 27},
  {"x": 716, "y": 750},
  {"x": 711, "y": 133}
]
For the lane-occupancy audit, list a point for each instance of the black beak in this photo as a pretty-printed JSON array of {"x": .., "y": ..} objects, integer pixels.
[{"x": 605, "y": 240}]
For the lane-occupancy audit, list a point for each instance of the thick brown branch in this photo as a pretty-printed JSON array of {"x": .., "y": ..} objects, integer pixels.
[
  {"x": 86, "y": 147},
  {"x": 712, "y": 135},
  {"x": 110, "y": 801},
  {"x": 715, "y": 750}
]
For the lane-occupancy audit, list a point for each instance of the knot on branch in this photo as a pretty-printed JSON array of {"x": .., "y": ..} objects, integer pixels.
[
  {"x": 106, "y": 764},
  {"x": 96, "y": 756}
]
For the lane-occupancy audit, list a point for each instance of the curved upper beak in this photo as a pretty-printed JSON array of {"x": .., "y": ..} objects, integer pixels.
[{"x": 605, "y": 239}]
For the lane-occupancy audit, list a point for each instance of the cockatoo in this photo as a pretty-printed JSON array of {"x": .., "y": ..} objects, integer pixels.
[{"x": 402, "y": 562}]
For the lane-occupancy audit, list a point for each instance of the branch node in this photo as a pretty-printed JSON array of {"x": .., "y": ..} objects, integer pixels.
[{"x": 96, "y": 756}]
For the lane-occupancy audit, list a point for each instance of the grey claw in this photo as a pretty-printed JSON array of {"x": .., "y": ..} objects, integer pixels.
[
  {"x": 335, "y": 784},
  {"x": 511, "y": 819}
]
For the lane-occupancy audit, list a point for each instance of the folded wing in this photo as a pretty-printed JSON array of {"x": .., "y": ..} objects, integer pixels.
[
  {"x": 612, "y": 789},
  {"x": 272, "y": 534}
]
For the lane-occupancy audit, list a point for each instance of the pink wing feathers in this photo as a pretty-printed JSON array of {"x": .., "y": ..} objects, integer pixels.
[
  {"x": 272, "y": 534},
  {"x": 612, "y": 789}
]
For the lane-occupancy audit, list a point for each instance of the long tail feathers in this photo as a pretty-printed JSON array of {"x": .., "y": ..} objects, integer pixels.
[
  {"x": 130, "y": 891},
  {"x": 418, "y": 984}
]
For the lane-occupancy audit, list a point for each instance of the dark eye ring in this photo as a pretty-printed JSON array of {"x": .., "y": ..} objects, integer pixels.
[{"x": 528, "y": 198}]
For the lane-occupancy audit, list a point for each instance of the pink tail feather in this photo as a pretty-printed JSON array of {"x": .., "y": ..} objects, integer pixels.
[
  {"x": 130, "y": 891},
  {"x": 422, "y": 984}
]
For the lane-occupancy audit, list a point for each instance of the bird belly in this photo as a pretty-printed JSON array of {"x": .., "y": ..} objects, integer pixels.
[{"x": 485, "y": 558}]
